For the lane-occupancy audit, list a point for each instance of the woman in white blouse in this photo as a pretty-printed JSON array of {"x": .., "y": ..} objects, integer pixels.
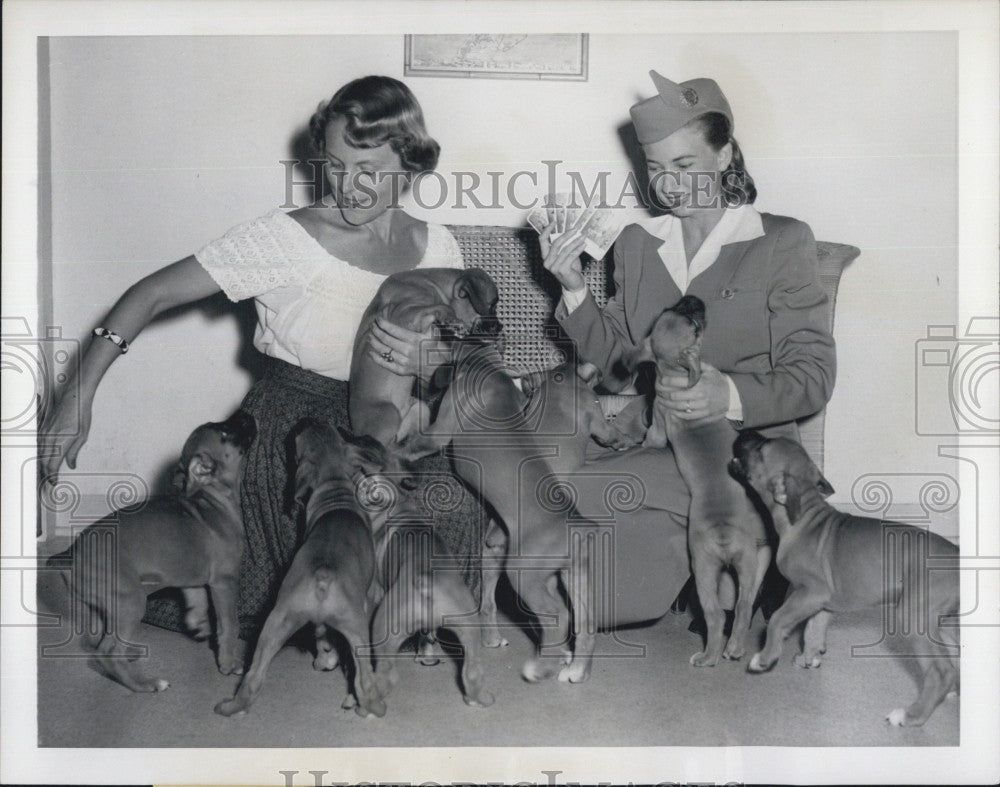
[{"x": 311, "y": 273}]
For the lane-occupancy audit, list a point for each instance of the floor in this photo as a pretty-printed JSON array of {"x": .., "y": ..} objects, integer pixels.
[{"x": 642, "y": 692}]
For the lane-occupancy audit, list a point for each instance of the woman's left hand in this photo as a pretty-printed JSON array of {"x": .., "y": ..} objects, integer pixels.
[
  {"x": 405, "y": 352},
  {"x": 706, "y": 400}
]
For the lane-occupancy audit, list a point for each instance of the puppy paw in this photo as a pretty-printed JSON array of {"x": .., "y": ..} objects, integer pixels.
[
  {"x": 757, "y": 664},
  {"x": 161, "y": 684},
  {"x": 231, "y": 707},
  {"x": 807, "y": 662},
  {"x": 897, "y": 717},
  {"x": 371, "y": 708},
  {"x": 574, "y": 673},
  {"x": 734, "y": 654},
  {"x": 702, "y": 660},
  {"x": 534, "y": 670},
  {"x": 482, "y": 700},
  {"x": 231, "y": 666}
]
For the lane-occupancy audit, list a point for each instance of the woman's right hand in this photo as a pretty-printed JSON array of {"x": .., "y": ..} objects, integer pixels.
[
  {"x": 65, "y": 428},
  {"x": 562, "y": 257},
  {"x": 62, "y": 435}
]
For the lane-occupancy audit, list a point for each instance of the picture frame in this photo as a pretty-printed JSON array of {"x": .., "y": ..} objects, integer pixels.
[{"x": 561, "y": 56}]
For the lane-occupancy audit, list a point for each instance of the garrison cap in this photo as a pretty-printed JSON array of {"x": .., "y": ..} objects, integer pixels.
[{"x": 676, "y": 105}]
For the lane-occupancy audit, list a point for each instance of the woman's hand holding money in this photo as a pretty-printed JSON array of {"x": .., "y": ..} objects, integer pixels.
[{"x": 562, "y": 257}]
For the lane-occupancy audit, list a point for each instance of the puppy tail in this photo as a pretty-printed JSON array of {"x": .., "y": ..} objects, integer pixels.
[{"x": 323, "y": 579}]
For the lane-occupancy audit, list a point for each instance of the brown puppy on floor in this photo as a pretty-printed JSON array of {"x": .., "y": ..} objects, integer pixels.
[
  {"x": 330, "y": 582},
  {"x": 190, "y": 540},
  {"x": 464, "y": 300},
  {"x": 497, "y": 453},
  {"x": 837, "y": 562},
  {"x": 724, "y": 529},
  {"x": 563, "y": 412},
  {"x": 424, "y": 590}
]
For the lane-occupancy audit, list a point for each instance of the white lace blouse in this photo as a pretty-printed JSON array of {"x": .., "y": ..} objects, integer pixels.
[{"x": 309, "y": 303}]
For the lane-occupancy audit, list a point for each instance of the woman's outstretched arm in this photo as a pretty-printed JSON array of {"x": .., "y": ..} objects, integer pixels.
[{"x": 181, "y": 282}]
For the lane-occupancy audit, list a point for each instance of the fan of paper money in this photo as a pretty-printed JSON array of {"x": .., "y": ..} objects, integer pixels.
[{"x": 600, "y": 226}]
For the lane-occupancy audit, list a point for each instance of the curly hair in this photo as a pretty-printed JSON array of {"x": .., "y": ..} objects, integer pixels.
[
  {"x": 379, "y": 110},
  {"x": 737, "y": 186}
]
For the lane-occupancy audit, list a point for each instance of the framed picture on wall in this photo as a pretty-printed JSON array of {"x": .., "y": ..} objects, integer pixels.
[{"x": 498, "y": 56}]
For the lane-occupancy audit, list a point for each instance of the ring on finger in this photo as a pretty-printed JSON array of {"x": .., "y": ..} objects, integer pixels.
[{"x": 387, "y": 356}]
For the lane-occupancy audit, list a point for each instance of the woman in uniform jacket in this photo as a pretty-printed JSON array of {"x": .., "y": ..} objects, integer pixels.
[{"x": 767, "y": 356}]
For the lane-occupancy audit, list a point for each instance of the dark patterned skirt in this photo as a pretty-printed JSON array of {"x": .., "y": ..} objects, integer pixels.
[{"x": 282, "y": 397}]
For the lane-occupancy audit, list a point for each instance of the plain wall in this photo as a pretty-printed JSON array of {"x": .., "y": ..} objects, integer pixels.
[{"x": 160, "y": 144}]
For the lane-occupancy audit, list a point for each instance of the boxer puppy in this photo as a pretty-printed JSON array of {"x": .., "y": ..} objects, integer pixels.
[
  {"x": 724, "y": 529},
  {"x": 189, "y": 540},
  {"x": 564, "y": 410},
  {"x": 837, "y": 562},
  {"x": 381, "y": 404},
  {"x": 497, "y": 453},
  {"x": 330, "y": 582}
]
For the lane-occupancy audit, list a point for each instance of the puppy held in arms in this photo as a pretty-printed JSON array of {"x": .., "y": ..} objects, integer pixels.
[
  {"x": 462, "y": 301},
  {"x": 189, "y": 540},
  {"x": 724, "y": 529},
  {"x": 836, "y": 562}
]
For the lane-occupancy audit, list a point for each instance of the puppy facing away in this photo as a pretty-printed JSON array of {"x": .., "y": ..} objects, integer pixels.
[
  {"x": 464, "y": 300},
  {"x": 836, "y": 562},
  {"x": 724, "y": 529},
  {"x": 423, "y": 593},
  {"x": 330, "y": 582},
  {"x": 191, "y": 540}
]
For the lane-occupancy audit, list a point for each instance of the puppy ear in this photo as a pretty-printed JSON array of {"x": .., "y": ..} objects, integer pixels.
[
  {"x": 475, "y": 286},
  {"x": 200, "y": 472},
  {"x": 785, "y": 489},
  {"x": 824, "y": 486},
  {"x": 303, "y": 485},
  {"x": 178, "y": 479}
]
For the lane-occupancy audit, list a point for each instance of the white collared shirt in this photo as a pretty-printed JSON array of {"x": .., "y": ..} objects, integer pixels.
[{"x": 736, "y": 225}]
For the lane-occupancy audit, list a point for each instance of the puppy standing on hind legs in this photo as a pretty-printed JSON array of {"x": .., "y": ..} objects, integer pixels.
[
  {"x": 330, "y": 582},
  {"x": 495, "y": 452},
  {"x": 724, "y": 529},
  {"x": 563, "y": 407},
  {"x": 837, "y": 562}
]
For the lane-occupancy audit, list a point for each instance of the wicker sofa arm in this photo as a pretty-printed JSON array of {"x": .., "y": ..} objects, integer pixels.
[{"x": 528, "y": 294}]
